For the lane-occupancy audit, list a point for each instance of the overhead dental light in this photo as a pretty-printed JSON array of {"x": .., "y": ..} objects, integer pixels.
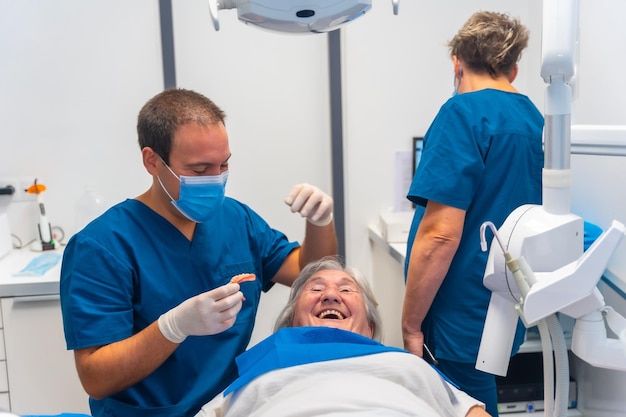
[{"x": 295, "y": 16}]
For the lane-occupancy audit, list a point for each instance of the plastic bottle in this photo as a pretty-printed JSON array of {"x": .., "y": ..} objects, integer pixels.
[{"x": 89, "y": 205}]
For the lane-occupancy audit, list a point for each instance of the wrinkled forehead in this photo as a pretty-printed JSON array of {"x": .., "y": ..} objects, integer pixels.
[{"x": 329, "y": 276}]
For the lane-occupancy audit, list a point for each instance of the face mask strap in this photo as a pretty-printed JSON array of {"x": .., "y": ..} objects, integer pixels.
[
  {"x": 164, "y": 189},
  {"x": 169, "y": 169},
  {"x": 456, "y": 86},
  {"x": 161, "y": 182}
]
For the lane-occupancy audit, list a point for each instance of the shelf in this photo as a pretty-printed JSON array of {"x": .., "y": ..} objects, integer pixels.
[{"x": 396, "y": 250}]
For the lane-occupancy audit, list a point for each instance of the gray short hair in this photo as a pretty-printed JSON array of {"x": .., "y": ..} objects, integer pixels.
[
  {"x": 286, "y": 316},
  {"x": 490, "y": 42}
]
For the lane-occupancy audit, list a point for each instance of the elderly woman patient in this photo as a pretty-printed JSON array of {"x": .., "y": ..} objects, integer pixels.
[{"x": 325, "y": 358}]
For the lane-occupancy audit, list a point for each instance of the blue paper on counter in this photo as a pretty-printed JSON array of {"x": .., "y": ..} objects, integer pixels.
[{"x": 39, "y": 265}]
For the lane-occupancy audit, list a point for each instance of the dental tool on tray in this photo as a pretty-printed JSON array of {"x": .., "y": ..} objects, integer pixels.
[{"x": 45, "y": 241}]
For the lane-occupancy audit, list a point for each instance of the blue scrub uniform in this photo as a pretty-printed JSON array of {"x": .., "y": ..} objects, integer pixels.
[
  {"x": 130, "y": 265},
  {"x": 482, "y": 154}
]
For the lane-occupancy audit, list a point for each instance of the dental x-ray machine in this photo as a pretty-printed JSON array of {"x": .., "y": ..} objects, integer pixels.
[
  {"x": 536, "y": 265},
  {"x": 295, "y": 16}
]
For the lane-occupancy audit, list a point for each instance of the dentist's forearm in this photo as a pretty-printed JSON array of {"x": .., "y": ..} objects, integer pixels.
[
  {"x": 109, "y": 369},
  {"x": 319, "y": 241}
]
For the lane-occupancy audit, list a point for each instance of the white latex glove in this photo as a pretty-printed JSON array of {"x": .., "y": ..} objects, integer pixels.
[
  {"x": 208, "y": 313},
  {"x": 312, "y": 203}
]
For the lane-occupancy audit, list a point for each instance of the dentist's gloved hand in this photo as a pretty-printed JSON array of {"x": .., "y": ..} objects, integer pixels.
[
  {"x": 208, "y": 313},
  {"x": 312, "y": 203}
]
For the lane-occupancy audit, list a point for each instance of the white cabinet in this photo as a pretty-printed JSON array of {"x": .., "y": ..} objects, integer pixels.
[
  {"x": 388, "y": 285},
  {"x": 37, "y": 373},
  {"x": 4, "y": 380},
  {"x": 42, "y": 377}
]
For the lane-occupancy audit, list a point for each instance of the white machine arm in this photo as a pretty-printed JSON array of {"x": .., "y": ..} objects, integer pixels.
[
  {"x": 591, "y": 344},
  {"x": 572, "y": 290},
  {"x": 529, "y": 232},
  {"x": 547, "y": 239}
]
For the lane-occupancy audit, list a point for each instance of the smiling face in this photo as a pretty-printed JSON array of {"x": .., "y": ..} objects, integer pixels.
[{"x": 332, "y": 298}]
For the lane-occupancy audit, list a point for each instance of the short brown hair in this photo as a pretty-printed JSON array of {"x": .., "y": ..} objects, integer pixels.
[{"x": 164, "y": 113}]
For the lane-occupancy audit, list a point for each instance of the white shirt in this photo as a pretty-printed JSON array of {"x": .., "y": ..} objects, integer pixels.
[{"x": 387, "y": 384}]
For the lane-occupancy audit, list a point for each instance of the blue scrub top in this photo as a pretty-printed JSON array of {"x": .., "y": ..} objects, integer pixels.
[
  {"x": 482, "y": 154},
  {"x": 127, "y": 267}
]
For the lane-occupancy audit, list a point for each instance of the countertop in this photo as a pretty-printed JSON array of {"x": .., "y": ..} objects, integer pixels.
[
  {"x": 396, "y": 250},
  {"x": 24, "y": 286}
]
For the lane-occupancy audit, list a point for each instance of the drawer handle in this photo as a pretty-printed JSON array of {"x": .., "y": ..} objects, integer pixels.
[{"x": 35, "y": 298}]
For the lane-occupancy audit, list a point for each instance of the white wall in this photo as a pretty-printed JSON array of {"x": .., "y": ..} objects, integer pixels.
[
  {"x": 73, "y": 76},
  {"x": 77, "y": 73},
  {"x": 598, "y": 181},
  {"x": 601, "y": 79},
  {"x": 398, "y": 73},
  {"x": 274, "y": 90}
]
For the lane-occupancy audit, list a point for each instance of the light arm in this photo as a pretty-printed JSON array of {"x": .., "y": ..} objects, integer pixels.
[{"x": 295, "y": 16}]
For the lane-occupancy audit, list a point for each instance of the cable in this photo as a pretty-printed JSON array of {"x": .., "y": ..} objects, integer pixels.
[
  {"x": 17, "y": 245},
  {"x": 511, "y": 263},
  {"x": 58, "y": 234}
]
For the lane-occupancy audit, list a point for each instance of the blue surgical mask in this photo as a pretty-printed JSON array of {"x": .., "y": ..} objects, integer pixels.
[
  {"x": 457, "y": 85},
  {"x": 200, "y": 196}
]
